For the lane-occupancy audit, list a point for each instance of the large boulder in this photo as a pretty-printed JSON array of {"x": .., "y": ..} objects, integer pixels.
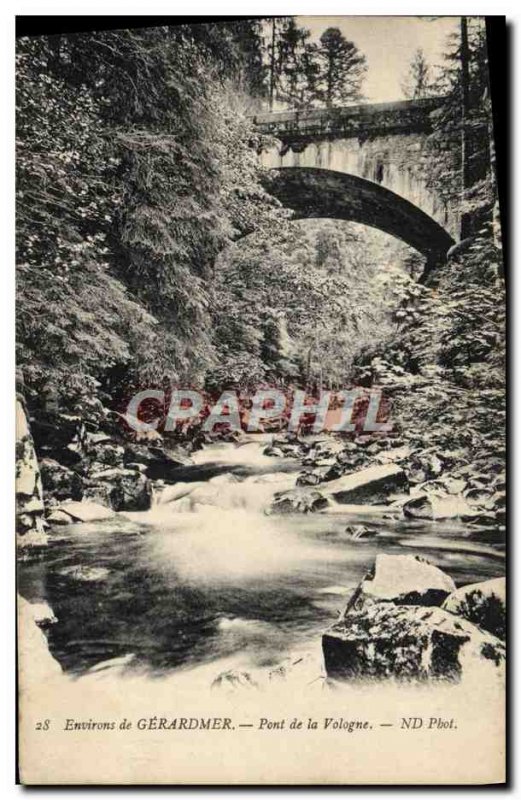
[
  {"x": 371, "y": 485},
  {"x": 402, "y": 580},
  {"x": 411, "y": 643},
  {"x": 86, "y": 511},
  {"x": 59, "y": 482},
  {"x": 121, "y": 489},
  {"x": 59, "y": 436},
  {"x": 59, "y": 517},
  {"x": 161, "y": 464},
  {"x": 433, "y": 506},
  {"x": 482, "y": 603}
]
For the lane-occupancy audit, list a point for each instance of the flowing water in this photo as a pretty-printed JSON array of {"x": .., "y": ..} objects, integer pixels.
[{"x": 209, "y": 577}]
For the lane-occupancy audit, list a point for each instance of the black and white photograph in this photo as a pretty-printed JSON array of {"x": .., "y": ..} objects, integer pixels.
[{"x": 260, "y": 400}]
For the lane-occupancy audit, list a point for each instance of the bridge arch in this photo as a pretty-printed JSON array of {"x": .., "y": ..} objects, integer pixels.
[{"x": 312, "y": 192}]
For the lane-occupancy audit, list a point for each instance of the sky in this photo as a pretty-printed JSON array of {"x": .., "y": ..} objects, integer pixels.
[{"x": 388, "y": 44}]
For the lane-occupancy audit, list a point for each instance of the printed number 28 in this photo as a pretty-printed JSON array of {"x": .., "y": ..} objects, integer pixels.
[{"x": 44, "y": 725}]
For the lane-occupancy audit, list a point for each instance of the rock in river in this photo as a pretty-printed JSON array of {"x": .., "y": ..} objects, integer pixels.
[
  {"x": 407, "y": 643},
  {"x": 59, "y": 517},
  {"x": 393, "y": 626},
  {"x": 418, "y": 508},
  {"x": 121, "y": 489},
  {"x": 403, "y": 580},
  {"x": 83, "y": 573},
  {"x": 372, "y": 485},
  {"x": 436, "y": 507},
  {"x": 86, "y": 512},
  {"x": 298, "y": 500},
  {"x": 358, "y": 532},
  {"x": 160, "y": 463}
]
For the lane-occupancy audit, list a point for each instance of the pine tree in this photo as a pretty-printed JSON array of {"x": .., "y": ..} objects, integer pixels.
[
  {"x": 342, "y": 69},
  {"x": 418, "y": 82},
  {"x": 297, "y": 66}
]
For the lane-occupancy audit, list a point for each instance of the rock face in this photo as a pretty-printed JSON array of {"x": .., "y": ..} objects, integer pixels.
[
  {"x": 103, "y": 452},
  {"x": 483, "y": 603},
  {"x": 393, "y": 626},
  {"x": 403, "y": 580},
  {"x": 29, "y": 491},
  {"x": 36, "y": 664},
  {"x": 372, "y": 485},
  {"x": 405, "y": 642},
  {"x": 96, "y": 466}
]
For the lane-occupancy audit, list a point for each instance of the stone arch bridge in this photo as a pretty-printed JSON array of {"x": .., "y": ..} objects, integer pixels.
[{"x": 361, "y": 163}]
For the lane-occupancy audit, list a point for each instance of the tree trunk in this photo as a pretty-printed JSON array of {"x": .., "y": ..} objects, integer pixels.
[
  {"x": 272, "y": 66},
  {"x": 329, "y": 100},
  {"x": 465, "y": 155}
]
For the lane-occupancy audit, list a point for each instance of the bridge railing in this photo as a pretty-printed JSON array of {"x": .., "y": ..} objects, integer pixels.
[{"x": 369, "y": 119}]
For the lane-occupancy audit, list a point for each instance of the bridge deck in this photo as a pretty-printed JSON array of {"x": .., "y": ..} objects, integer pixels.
[{"x": 363, "y": 120}]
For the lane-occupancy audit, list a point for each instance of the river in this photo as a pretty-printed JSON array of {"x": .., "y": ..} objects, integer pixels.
[{"x": 218, "y": 582}]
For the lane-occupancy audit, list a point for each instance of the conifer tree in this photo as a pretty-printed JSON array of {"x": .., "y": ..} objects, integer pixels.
[
  {"x": 297, "y": 67},
  {"x": 342, "y": 69},
  {"x": 418, "y": 82}
]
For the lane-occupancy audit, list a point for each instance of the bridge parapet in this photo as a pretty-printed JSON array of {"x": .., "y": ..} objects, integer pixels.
[{"x": 362, "y": 121}]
